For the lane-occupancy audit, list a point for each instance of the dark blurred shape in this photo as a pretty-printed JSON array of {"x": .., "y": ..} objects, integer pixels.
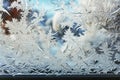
[{"x": 113, "y": 24}]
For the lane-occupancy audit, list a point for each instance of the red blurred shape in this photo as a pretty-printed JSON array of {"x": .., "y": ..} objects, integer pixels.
[{"x": 13, "y": 13}]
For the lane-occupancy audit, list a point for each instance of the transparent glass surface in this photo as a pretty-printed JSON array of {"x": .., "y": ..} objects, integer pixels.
[{"x": 59, "y": 37}]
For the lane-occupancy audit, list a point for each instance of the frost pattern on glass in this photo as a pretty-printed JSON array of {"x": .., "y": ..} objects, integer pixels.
[{"x": 59, "y": 37}]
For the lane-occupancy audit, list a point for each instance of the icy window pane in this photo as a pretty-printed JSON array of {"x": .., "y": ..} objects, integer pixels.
[{"x": 59, "y": 37}]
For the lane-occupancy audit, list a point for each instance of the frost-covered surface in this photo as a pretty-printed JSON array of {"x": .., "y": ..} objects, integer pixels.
[{"x": 62, "y": 37}]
